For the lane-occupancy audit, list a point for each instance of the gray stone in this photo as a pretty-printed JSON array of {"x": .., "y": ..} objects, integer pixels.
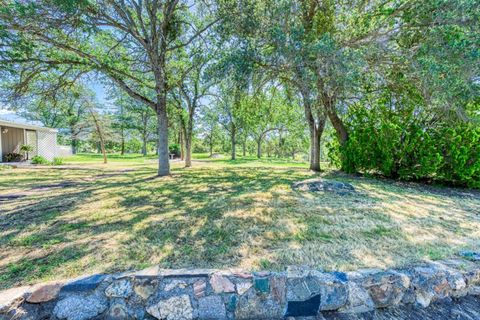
[
  {"x": 119, "y": 289},
  {"x": 358, "y": 301},
  {"x": 430, "y": 284},
  {"x": 386, "y": 288},
  {"x": 186, "y": 273},
  {"x": 84, "y": 283},
  {"x": 472, "y": 277},
  {"x": 457, "y": 284},
  {"x": 409, "y": 296},
  {"x": 173, "y": 284},
  {"x": 333, "y": 291},
  {"x": 474, "y": 291},
  {"x": 118, "y": 311},
  {"x": 148, "y": 273},
  {"x": 243, "y": 286},
  {"x": 145, "y": 287},
  {"x": 298, "y": 271},
  {"x": 80, "y": 307},
  {"x": 242, "y": 274},
  {"x": 322, "y": 185},
  {"x": 470, "y": 255},
  {"x": 299, "y": 289},
  {"x": 174, "y": 308},
  {"x": 13, "y": 296},
  {"x": 211, "y": 307},
  {"x": 253, "y": 306}
]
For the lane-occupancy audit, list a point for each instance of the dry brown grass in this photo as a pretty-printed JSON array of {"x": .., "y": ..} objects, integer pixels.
[{"x": 95, "y": 218}]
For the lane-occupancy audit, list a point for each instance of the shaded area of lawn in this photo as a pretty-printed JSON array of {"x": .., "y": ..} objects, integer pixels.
[{"x": 217, "y": 214}]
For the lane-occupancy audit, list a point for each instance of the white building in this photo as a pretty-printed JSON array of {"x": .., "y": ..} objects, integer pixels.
[{"x": 13, "y": 135}]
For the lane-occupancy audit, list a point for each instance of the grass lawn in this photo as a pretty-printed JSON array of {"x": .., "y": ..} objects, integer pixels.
[{"x": 88, "y": 217}]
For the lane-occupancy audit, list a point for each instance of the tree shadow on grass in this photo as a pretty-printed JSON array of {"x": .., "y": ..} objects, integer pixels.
[{"x": 203, "y": 217}]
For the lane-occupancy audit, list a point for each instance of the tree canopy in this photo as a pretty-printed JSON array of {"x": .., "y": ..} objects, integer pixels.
[{"x": 263, "y": 74}]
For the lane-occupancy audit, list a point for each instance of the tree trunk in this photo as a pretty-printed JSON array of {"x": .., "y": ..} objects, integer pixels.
[
  {"x": 293, "y": 155},
  {"x": 316, "y": 131},
  {"x": 234, "y": 142},
  {"x": 259, "y": 148},
  {"x": 338, "y": 125},
  {"x": 315, "y": 135},
  {"x": 244, "y": 148},
  {"x": 100, "y": 136},
  {"x": 144, "y": 145},
  {"x": 211, "y": 148},
  {"x": 74, "y": 145},
  {"x": 182, "y": 145},
  {"x": 122, "y": 145},
  {"x": 188, "y": 151},
  {"x": 163, "y": 154}
]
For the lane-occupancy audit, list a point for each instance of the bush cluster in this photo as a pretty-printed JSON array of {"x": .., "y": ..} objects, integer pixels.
[
  {"x": 41, "y": 160},
  {"x": 402, "y": 144}
]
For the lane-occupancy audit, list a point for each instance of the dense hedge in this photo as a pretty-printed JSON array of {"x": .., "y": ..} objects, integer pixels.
[{"x": 401, "y": 144}]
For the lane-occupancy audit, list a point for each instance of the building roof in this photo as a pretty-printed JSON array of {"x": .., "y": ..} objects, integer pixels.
[{"x": 11, "y": 124}]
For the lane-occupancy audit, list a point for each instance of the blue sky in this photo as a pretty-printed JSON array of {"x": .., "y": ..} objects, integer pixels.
[{"x": 96, "y": 86}]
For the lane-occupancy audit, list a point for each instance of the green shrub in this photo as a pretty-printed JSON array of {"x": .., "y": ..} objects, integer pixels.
[
  {"x": 12, "y": 157},
  {"x": 39, "y": 160},
  {"x": 174, "y": 149},
  {"x": 57, "y": 161},
  {"x": 399, "y": 144}
]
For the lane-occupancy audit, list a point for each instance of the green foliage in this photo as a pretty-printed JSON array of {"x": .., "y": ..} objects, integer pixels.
[
  {"x": 398, "y": 143},
  {"x": 12, "y": 157},
  {"x": 26, "y": 148},
  {"x": 174, "y": 149},
  {"x": 57, "y": 161},
  {"x": 39, "y": 160}
]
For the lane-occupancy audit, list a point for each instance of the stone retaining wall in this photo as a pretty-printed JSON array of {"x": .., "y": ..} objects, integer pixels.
[{"x": 212, "y": 294}]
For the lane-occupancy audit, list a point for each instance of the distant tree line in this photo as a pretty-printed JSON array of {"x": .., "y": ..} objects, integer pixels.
[{"x": 392, "y": 87}]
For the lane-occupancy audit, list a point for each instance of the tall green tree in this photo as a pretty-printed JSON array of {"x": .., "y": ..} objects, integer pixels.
[{"x": 128, "y": 43}]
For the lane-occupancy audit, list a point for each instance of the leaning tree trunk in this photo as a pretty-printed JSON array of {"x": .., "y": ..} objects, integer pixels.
[
  {"x": 338, "y": 125},
  {"x": 163, "y": 163}
]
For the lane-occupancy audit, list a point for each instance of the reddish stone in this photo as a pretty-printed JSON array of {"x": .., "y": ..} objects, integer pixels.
[
  {"x": 279, "y": 288},
  {"x": 45, "y": 293},
  {"x": 199, "y": 288},
  {"x": 221, "y": 284}
]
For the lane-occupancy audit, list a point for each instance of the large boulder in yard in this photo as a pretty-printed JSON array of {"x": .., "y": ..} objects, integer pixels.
[{"x": 322, "y": 185}]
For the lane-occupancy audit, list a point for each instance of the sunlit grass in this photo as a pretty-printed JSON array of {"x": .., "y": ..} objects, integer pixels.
[{"x": 89, "y": 217}]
